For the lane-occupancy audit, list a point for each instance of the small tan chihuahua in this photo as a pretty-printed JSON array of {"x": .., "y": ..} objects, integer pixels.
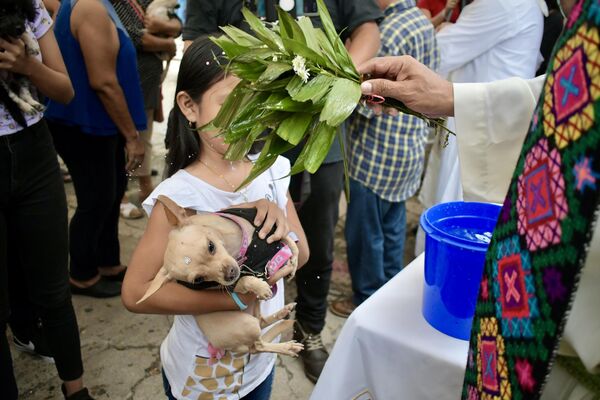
[{"x": 199, "y": 254}]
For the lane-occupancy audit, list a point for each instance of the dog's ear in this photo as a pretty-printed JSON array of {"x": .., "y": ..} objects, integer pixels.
[
  {"x": 160, "y": 279},
  {"x": 175, "y": 213}
]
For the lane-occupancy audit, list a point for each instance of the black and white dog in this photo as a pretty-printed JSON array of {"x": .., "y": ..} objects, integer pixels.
[{"x": 16, "y": 90}]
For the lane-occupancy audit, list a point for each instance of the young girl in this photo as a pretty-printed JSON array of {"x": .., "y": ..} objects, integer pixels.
[{"x": 200, "y": 179}]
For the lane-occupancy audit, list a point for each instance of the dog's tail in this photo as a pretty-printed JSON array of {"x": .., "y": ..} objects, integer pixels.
[{"x": 12, "y": 107}]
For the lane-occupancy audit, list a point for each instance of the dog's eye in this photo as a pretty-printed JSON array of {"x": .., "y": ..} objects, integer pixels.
[{"x": 211, "y": 247}]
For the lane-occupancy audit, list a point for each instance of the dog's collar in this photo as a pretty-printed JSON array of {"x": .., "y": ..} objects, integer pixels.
[
  {"x": 199, "y": 284},
  {"x": 245, "y": 239}
]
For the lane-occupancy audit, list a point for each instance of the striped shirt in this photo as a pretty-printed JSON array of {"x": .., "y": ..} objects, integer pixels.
[{"x": 387, "y": 153}]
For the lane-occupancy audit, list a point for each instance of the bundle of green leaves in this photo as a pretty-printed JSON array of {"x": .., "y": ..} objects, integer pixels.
[{"x": 298, "y": 85}]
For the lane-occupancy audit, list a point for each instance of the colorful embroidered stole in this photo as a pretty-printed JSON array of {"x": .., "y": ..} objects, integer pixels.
[{"x": 540, "y": 242}]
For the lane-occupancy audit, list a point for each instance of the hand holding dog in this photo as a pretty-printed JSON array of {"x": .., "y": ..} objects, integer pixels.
[
  {"x": 14, "y": 57},
  {"x": 271, "y": 214}
]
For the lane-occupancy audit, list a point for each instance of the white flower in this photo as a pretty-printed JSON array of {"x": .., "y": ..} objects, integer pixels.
[{"x": 299, "y": 64}]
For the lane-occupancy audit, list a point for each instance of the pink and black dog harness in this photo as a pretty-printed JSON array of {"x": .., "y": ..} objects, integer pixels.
[{"x": 256, "y": 257}]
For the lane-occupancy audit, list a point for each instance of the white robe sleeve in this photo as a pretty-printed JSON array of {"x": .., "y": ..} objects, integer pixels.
[
  {"x": 481, "y": 26},
  {"x": 492, "y": 120}
]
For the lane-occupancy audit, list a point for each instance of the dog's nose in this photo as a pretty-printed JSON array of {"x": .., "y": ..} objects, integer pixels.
[{"x": 231, "y": 272}]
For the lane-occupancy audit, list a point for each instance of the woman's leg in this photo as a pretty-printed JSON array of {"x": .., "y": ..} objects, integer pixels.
[
  {"x": 8, "y": 385},
  {"x": 109, "y": 250},
  {"x": 38, "y": 223},
  {"x": 91, "y": 161}
]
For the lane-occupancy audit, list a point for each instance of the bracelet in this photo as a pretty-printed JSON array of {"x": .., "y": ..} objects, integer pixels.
[{"x": 238, "y": 301}]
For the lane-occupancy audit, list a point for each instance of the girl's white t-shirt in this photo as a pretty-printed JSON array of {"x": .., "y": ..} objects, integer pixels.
[{"x": 185, "y": 352}]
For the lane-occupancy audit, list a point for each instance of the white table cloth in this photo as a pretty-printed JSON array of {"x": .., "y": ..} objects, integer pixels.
[{"x": 388, "y": 351}]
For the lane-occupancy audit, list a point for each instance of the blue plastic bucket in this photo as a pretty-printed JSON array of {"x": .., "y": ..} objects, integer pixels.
[{"x": 457, "y": 236}]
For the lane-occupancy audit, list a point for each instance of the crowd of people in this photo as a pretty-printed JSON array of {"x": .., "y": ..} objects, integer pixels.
[{"x": 99, "y": 68}]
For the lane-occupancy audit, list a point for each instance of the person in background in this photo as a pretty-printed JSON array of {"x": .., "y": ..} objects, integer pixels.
[
  {"x": 33, "y": 207},
  {"x": 151, "y": 38},
  {"x": 356, "y": 20},
  {"x": 440, "y": 11},
  {"x": 491, "y": 40},
  {"x": 204, "y": 17},
  {"x": 386, "y": 156},
  {"x": 92, "y": 135},
  {"x": 553, "y": 26}
]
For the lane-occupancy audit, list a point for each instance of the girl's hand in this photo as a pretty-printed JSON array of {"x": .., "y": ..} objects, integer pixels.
[
  {"x": 14, "y": 57},
  {"x": 271, "y": 214}
]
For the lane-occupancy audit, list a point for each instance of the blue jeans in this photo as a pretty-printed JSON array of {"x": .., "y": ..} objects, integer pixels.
[
  {"x": 375, "y": 234},
  {"x": 261, "y": 392}
]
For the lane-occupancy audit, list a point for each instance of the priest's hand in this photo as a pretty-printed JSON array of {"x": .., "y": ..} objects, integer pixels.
[{"x": 405, "y": 79}]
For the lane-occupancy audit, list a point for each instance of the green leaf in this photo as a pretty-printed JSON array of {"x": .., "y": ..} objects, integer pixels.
[
  {"x": 328, "y": 26},
  {"x": 295, "y": 47},
  {"x": 277, "y": 85},
  {"x": 293, "y": 128},
  {"x": 255, "y": 54},
  {"x": 267, "y": 36},
  {"x": 240, "y": 37},
  {"x": 280, "y": 102},
  {"x": 230, "y": 48},
  {"x": 318, "y": 146},
  {"x": 248, "y": 71},
  {"x": 273, "y": 147},
  {"x": 290, "y": 26},
  {"x": 273, "y": 71},
  {"x": 240, "y": 149},
  {"x": 327, "y": 50},
  {"x": 294, "y": 86},
  {"x": 341, "y": 101},
  {"x": 345, "y": 158},
  {"x": 310, "y": 35},
  {"x": 314, "y": 90},
  {"x": 232, "y": 104}
]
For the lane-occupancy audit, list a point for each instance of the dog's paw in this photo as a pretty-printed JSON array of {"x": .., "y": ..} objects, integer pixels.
[
  {"x": 263, "y": 291},
  {"x": 293, "y": 348}
]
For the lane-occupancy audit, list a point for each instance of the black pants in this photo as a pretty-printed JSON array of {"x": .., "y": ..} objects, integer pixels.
[
  {"x": 33, "y": 245},
  {"x": 318, "y": 216},
  {"x": 97, "y": 166}
]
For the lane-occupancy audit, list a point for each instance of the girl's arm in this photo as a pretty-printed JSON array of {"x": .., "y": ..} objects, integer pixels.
[
  {"x": 49, "y": 76},
  {"x": 172, "y": 298}
]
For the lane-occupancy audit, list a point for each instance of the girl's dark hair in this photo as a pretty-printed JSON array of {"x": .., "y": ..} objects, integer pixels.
[{"x": 200, "y": 68}]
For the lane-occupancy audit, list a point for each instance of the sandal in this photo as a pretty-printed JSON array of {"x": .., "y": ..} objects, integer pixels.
[{"x": 130, "y": 211}]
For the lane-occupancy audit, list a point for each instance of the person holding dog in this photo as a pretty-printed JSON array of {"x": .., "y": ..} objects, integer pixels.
[
  {"x": 33, "y": 206},
  {"x": 94, "y": 134},
  {"x": 200, "y": 179}
]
